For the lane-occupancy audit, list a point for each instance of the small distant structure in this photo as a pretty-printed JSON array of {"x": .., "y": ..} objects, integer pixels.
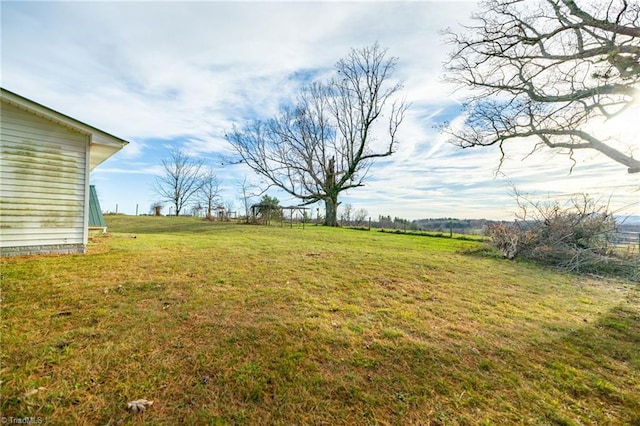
[
  {"x": 156, "y": 209},
  {"x": 295, "y": 209},
  {"x": 262, "y": 214},
  {"x": 220, "y": 213}
]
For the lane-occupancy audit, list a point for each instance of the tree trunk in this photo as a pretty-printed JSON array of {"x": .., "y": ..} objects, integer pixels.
[
  {"x": 331, "y": 211},
  {"x": 331, "y": 202}
]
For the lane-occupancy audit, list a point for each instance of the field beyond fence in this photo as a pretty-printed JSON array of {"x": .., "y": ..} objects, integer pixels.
[{"x": 626, "y": 239}]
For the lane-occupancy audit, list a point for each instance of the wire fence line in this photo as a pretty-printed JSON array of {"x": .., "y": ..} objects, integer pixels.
[{"x": 625, "y": 239}]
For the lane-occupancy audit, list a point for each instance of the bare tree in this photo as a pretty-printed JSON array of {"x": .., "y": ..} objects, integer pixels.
[
  {"x": 551, "y": 71},
  {"x": 360, "y": 216},
  {"x": 181, "y": 179},
  {"x": 324, "y": 144},
  {"x": 247, "y": 193},
  {"x": 230, "y": 209},
  {"x": 347, "y": 211},
  {"x": 209, "y": 191}
]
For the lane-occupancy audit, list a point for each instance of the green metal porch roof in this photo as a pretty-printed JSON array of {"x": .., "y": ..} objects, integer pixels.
[{"x": 95, "y": 212}]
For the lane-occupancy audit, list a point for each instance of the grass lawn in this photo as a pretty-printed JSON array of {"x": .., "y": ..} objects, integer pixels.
[{"x": 238, "y": 324}]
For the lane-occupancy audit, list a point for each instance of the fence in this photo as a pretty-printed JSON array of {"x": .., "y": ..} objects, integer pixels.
[{"x": 626, "y": 239}]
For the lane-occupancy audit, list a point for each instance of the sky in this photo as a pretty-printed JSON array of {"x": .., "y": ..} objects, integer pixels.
[{"x": 179, "y": 75}]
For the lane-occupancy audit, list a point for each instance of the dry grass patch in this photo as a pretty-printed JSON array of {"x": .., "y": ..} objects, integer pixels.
[{"x": 233, "y": 324}]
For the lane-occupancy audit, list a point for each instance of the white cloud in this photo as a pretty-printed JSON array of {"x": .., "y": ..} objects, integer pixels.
[{"x": 165, "y": 74}]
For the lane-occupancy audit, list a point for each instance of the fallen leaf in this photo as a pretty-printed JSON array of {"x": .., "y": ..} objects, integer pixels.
[
  {"x": 33, "y": 391},
  {"x": 139, "y": 405}
]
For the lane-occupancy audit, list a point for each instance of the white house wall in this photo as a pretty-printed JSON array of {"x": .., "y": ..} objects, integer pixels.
[{"x": 43, "y": 184}]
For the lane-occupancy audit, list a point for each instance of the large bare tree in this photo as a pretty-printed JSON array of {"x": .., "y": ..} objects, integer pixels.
[
  {"x": 552, "y": 70},
  {"x": 326, "y": 142},
  {"x": 181, "y": 179}
]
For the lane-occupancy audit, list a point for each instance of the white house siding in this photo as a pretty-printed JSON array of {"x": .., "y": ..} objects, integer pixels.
[{"x": 43, "y": 184}]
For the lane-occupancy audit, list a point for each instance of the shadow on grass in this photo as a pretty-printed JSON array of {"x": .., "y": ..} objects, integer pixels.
[
  {"x": 592, "y": 373},
  {"x": 290, "y": 374},
  {"x": 589, "y": 375}
]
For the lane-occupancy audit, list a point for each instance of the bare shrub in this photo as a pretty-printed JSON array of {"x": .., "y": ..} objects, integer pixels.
[
  {"x": 573, "y": 236},
  {"x": 505, "y": 238}
]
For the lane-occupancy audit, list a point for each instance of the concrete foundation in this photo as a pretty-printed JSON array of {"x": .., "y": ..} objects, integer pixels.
[{"x": 43, "y": 249}]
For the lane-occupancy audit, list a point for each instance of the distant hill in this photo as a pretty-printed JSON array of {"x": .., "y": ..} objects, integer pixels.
[
  {"x": 478, "y": 226},
  {"x": 629, "y": 220}
]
